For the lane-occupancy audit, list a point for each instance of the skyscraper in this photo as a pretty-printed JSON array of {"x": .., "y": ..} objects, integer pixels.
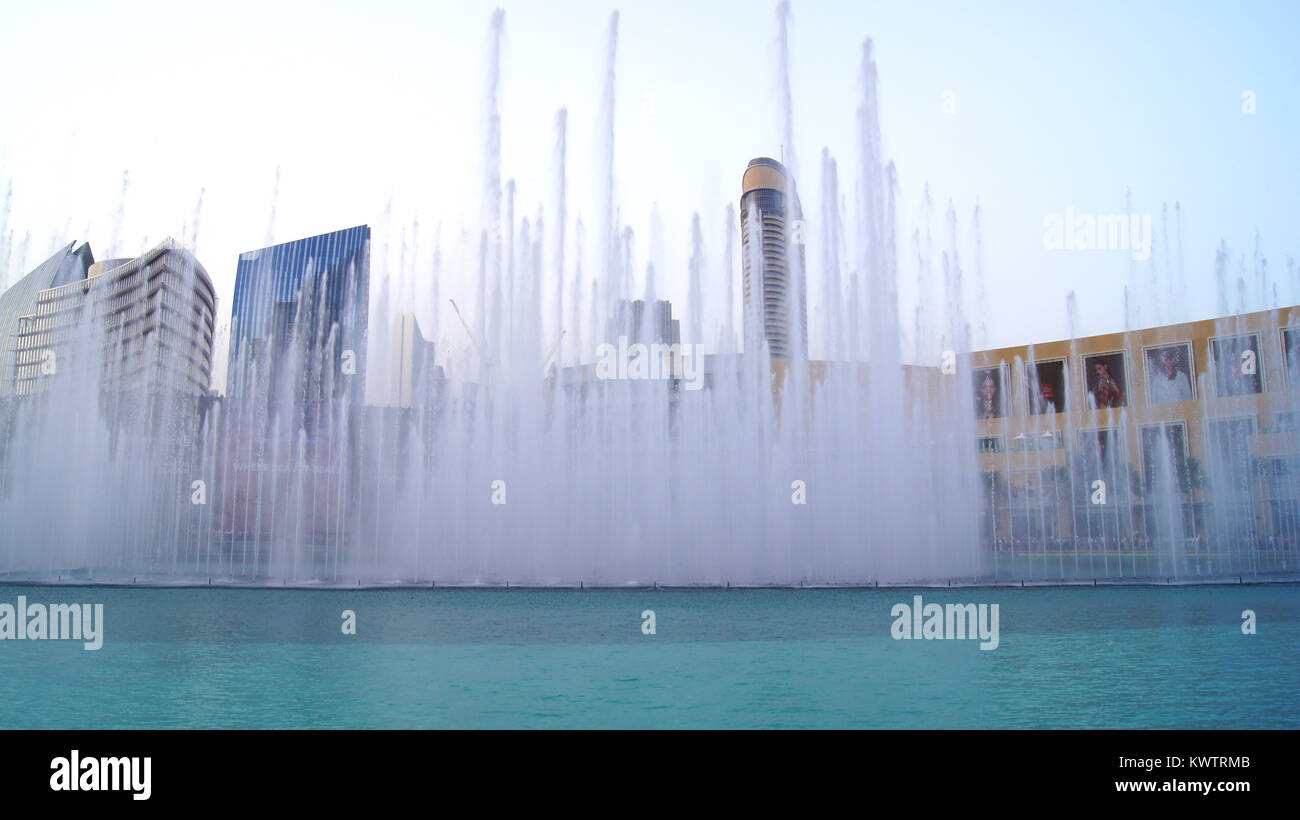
[
  {"x": 66, "y": 265},
  {"x": 299, "y": 319},
  {"x": 143, "y": 324},
  {"x": 768, "y": 191},
  {"x": 652, "y": 324},
  {"x": 416, "y": 377}
]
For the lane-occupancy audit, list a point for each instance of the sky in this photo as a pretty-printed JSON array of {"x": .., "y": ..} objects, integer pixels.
[{"x": 236, "y": 125}]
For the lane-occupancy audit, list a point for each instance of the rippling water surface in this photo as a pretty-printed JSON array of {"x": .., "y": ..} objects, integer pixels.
[{"x": 1067, "y": 658}]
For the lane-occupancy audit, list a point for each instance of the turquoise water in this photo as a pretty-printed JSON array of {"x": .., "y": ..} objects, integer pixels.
[{"x": 1126, "y": 657}]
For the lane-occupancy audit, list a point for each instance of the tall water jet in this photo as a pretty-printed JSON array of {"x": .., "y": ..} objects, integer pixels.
[
  {"x": 558, "y": 233},
  {"x": 511, "y": 262},
  {"x": 608, "y": 246},
  {"x": 490, "y": 225},
  {"x": 6, "y": 236},
  {"x": 695, "y": 273},
  {"x": 923, "y": 248},
  {"x": 119, "y": 216},
  {"x": 875, "y": 223},
  {"x": 435, "y": 275},
  {"x": 785, "y": 97},
  {"x": 1221, "y": 278},
  {"x": 20, "y": 252},
  {"x": 192, "y": 235},
  {"x": 953, "y": 285},
  {"x": 728, "y": 342},
  {"x": 576, "y": 320},
  {"x": 981, "y": 303},
  {"x": 878, "y": 267},
  {"x": 275, "y": 200},
  {"x": 796, "y": 235},
  {"x": 831, "y": 229}
]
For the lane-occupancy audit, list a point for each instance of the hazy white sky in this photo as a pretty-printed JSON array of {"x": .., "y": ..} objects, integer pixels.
[{"x": 363, "y": 105}]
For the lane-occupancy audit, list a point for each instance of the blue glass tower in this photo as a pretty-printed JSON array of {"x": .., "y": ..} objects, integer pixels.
[{"x": 299, "y": 317}]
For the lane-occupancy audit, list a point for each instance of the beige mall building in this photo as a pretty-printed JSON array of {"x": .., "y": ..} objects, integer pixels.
[{"x": 1187, "y": 430}]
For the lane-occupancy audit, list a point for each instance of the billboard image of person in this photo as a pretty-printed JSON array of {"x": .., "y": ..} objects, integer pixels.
[
  {"x": 1169, "y": 373},
  {"x": 990, "y": 402},
  {"x": 1107, "y": 380}
]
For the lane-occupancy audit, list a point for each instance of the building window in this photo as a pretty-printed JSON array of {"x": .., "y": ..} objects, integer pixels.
[
  {"x": 989, "y": 384},
  {"x": 1106, "y": 377},
  {"x": 1101, "y": 452},
  {"x": 1237, "y": 364},
  {"x": 1046, "y": 385},
  {"x": 1170, "y": 373},
  {"x": 1291, "y": 356},
  {"x": 1164, "y": 456}
]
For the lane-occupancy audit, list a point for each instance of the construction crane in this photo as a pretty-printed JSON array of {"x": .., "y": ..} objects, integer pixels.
[
  {"x": 489, "y": 364},
  {"x": 483, "y": 357},
  {"x": 547, "y": 361}
]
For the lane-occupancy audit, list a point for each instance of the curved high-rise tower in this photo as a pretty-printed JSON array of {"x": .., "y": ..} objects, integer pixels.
[{"x": 767, "y": 189}]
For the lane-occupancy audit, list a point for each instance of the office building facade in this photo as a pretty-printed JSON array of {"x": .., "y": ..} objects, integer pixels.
[
  {"x": 129, "y": 325},
  {"x": 299, "y": 319},
  {"x": 69, "y": 264},
  {"x": 417, "y": 380},
  {"x": 639, "y": 321}
]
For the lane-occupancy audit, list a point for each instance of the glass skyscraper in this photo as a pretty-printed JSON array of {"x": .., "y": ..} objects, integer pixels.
[{"x": 299, "y": 319}]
